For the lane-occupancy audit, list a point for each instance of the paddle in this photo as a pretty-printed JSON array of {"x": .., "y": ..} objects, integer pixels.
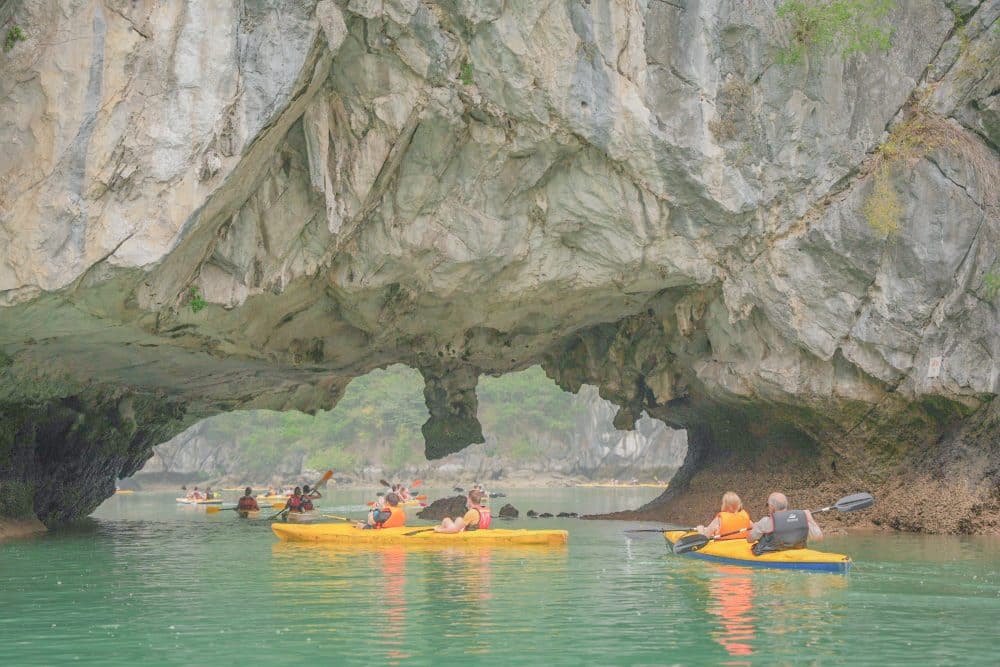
[
  {"x": 655, "y": 530},
  {"x": 851, "y": 503},
  {"x": 417, "y": 532},
  {"x": 323, "y": 480}
]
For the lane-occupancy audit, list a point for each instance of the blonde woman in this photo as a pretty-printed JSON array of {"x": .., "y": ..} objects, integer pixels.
[{"x": 731, "y": 518}]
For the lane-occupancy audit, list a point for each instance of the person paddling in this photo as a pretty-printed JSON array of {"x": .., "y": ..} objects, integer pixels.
[
  {"x": 294, "y": 502},
  {"x": 390, "y": 515},
  {"x": 730, "y": 519},
  {"x": 247, "y": 503},
  {"x": 308, "y": 496},
  {"x": 476, "y": 518},
  {"x": 783, "y": 528}
]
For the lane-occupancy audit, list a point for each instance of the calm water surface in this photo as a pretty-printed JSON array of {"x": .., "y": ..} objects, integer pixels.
[{"x": 148, "y": 582}]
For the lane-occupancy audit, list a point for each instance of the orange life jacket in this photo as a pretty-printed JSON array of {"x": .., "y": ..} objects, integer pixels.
[
  {"x": 732, "y": 521},
  {"x": 485, "y": 518},
  {"x": 397, "y": 518}
]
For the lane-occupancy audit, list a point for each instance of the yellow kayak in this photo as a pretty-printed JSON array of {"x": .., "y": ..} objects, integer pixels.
[
  {"x": 123, "y": 492},
  {"x": 191, "y": 501},
  {"x": 348, "y": 534},
  {"x": 737, "y": 552}
]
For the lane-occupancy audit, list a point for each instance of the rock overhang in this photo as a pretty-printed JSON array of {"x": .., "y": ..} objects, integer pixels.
[{"x": 426, "y": 184}]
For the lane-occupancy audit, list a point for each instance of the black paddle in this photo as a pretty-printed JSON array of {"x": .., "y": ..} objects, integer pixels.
[
  {"x": 655, "y": 530},
  {"x": 851, "y": 503}
]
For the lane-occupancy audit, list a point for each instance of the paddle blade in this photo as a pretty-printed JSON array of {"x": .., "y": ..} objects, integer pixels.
[
  {"x": 326, "y": 478},
  {"x": 370, "y": 503},
  {"x": 690, "y": 543},
  {"x": 855, "y": 501},
  {"x": 385, "y": 483},
  {"x": 212, "y": 510},
  {"x": 420, "y": 497},
  {"x": 416, "y": 483},
  {"x": 278, "y": 506}
]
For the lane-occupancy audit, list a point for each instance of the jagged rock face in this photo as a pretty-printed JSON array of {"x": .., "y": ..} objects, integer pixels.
[{"x": 635, "y": 193}]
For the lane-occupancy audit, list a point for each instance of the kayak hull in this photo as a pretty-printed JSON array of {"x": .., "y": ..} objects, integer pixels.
[
  {"x": 339, "y": 533},
  {"x": 188, "y": 501},
  {"x": 301, "y": 517},
  {"x": 737, "y": 552}
]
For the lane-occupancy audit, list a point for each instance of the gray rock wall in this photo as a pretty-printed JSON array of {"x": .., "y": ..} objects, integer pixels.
[{"x": 245, "y": 204}]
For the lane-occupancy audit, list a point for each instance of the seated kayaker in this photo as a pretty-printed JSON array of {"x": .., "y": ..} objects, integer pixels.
[
  {"x": 195, "y": 494},
  {"x": 476, "y": 518},
  {"x": 247, "y": 503},
  {"x": 308, "y": 496},
  {"x": 783, "y": 528},
  {"x": 208, "y": 493},
  {"x": 403, "y": 493},
  {"x": 731, "y": 517},
  {"x": 294, "y": 502},
  {"x": 388, "y": 515}
]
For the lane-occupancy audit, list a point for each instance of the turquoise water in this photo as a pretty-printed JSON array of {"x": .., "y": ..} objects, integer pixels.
[{"x": 147, "y": 582}]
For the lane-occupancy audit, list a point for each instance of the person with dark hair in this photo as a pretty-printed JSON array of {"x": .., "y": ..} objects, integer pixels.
[
  {"x": 308, "y": 496},
  {"x": 247, "y": 503},
  {"x": 294, "y": 502}
]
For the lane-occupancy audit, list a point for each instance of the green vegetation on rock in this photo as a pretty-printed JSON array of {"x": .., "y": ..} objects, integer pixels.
[
  {"x": 909, "y": 142},
  {"x": 195, "y": 299},
  {"x": 466, "y": 74},
  {"x": 855, "y": 26},
  {"x": 992, "y": 282},
  {"x": 14, "y": 35}
]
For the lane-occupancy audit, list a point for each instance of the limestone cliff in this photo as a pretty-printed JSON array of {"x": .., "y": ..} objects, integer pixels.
[{"x": 207, "y": 206}]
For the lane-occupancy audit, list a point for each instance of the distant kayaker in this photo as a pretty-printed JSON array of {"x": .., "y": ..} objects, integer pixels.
[
  {"x": 389, "y": 515},
  {"x": 208, "y": 493},
  {"x": 247, "y": 502},
  {"x": 476, "y": 518},
  {"x": 783, "y": 528},
  {"x": 731, "y": 517},
  {"x": 294, "y": 502},
  {"x": 403, "y": 493},
  {"x": 308, "y": 496},
  {"x": 195, "y": 494}
]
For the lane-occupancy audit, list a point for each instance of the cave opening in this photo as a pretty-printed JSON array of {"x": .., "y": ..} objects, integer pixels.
[{"x": 532, "y": 430}]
